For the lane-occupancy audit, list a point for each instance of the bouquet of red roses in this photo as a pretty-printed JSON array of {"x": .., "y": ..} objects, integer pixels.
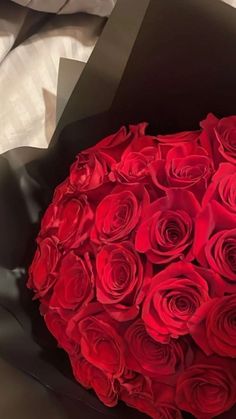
[{"x": 135, "y": 269}]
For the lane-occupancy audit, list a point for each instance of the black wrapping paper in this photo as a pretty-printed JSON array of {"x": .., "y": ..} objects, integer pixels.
[{"x": 168, "y": 62}]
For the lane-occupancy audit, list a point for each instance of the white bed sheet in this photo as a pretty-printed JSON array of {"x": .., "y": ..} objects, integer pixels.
[
  {"x": 29, "y": 72},
  {"x": 97, "y": 7}
]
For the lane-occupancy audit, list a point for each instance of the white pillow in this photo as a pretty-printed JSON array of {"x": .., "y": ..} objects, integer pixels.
[{"x": 96, "y": 7}]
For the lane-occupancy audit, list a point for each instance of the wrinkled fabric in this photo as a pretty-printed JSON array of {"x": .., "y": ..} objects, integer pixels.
[
  {"x": 97, "y": 7},
  {"x": 12, "y": 19},
  {"x": 230, "y": 2},
  {"x": 29, "y": 71}
]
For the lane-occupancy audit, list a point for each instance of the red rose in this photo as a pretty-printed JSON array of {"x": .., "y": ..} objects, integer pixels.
[
  {"x": 221, "y": 253},
  {"x": 118, "y": 214},
  {"x": 223, "y": 187},
  {"x": 75, "y": 283},
  {"x": 167, "y": 228},
  {"x": 208, "y": 139},
  {"x": 155, "y": 359},
  {"x": 89, "y": 376},
  {"x": 42, "y": 273},
  {"x": 100, "y": 343},
  {"x": 49, "y": 224},
  {"x": 74, "y": 218},
  {"x": 164, "y": 400},
  {"x": 133, "y": 166},
  {"x": 213, "y": 326},
  {"x": 120, "y": 280},
  {"x": 215, "y": 240},
  {"x": 81, "y": 370},
  {"x": 174, "y": 296},
  {"x": 164, "y": 411},
  {"x": 57, "y": 326},
  {"x": 63, "y": 189},
  {"x": 106, "y": 388},
  {"x": 152, "y": 398},
  {"x": 225, "y": 131},
  {"x": 69, "y": 217},
  {"x": 140, "y": 140},
  {"x": 206, "y": 390},
  {"x": 115, "y": 144},
  {"x": 219, "y": 138},
  {"x": 90, "y": 170},
  {"x": 185, "y": 166},
  {"x": 226, "y": 135},
  {"x": 180, "y": 137},
  {"x": 136, "y": 391}
]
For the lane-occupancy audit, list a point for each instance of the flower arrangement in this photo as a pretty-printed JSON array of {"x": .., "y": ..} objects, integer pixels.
[{"x": 135, "y": 269}]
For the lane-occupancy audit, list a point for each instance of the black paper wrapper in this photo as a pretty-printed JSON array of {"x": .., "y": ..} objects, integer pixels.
[{"x": 167, "y": 62}]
